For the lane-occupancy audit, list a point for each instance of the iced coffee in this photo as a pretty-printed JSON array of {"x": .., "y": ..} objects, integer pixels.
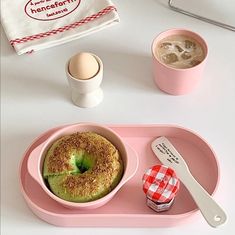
[{"x": 179, "y": 51}]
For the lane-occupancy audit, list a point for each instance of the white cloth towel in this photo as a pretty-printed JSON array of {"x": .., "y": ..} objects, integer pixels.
[{"x": 32, "y": 25}]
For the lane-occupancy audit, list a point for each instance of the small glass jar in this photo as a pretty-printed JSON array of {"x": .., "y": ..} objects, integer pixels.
[{"x": 160, "y": 184}]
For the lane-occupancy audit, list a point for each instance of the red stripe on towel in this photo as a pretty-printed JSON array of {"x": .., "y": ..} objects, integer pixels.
[{"x": 64, "y": 28}]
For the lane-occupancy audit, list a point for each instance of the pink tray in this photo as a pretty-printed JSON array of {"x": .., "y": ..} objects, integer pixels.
[{"x": 128, "y": 208}]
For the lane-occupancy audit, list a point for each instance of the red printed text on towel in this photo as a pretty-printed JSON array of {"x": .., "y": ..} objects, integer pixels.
[{"x": 45, "y": 10}]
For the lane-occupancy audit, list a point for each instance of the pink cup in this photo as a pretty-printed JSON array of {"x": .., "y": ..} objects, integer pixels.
[{"x": 177, "y": 81}]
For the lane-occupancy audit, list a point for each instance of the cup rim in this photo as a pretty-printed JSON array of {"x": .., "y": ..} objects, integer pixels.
[
  {"x": 99, "y": 61},
  {"x": 174, "y": 31},
  {"x": 80, "y": 205}
]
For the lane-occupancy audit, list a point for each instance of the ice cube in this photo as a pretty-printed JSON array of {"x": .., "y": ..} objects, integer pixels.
[
  {"x": 165, "y": 45},
  {"x": 186, "y": 55},
  {"x": 178, "y": 48},
  {"x": 195, "y": 62},
  {"x": 189, "y": 44},
  {"x": 170, "y": 58}
]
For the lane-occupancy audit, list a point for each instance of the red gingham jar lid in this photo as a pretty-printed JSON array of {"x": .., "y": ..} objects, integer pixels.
[{"x": 160, "y": 183}]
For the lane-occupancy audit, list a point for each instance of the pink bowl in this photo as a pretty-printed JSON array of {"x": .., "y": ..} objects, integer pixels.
[{"x": 36, "y": 159}]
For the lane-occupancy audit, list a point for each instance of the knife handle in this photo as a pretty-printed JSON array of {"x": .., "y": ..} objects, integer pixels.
[{"x": 211, "y": 211}]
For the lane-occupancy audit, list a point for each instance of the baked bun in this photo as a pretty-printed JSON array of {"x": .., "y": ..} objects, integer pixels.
[{"x": 82, "y": 167}]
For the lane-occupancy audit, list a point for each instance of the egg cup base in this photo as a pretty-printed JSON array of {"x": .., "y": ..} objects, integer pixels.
[{"x": 88, "y": 100}]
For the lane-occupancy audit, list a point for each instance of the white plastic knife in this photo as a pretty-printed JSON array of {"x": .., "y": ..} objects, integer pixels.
[{"x": 170, "y": 157}]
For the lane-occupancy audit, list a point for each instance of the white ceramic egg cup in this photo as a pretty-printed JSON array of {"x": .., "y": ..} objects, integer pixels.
[{"x": 86, "y": 93}]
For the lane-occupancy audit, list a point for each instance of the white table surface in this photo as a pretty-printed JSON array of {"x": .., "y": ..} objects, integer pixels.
[{"x": 36, "y": 97}]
